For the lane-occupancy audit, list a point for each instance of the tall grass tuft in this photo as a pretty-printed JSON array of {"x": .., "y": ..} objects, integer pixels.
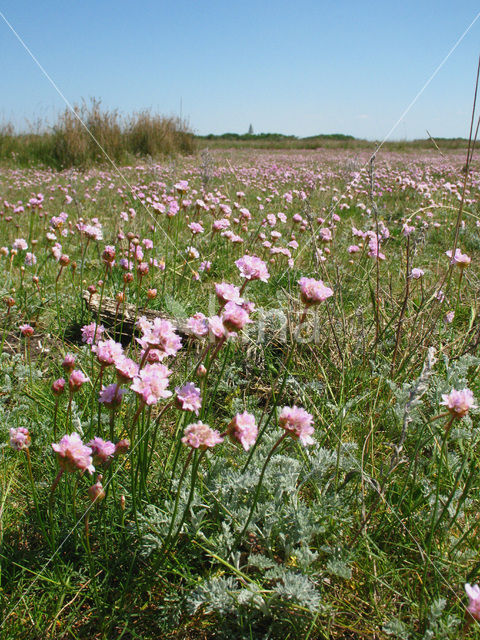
[{"x": 75, "y": 139}]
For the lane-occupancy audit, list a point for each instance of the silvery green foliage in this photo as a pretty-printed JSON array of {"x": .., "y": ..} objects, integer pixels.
[
  {"x": 226, "y": 596},
  {"x": 440, "y": 626},
  {"x": 287, "y": 530},
  {"x": 16, "y": 409},
  {"x": 397, "y": 629},
  {"x": 234, "y": 598},
  {"x": 409, "y": 395}
]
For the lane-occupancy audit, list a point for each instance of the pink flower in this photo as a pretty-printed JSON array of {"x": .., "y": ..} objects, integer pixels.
[
  {"x": 459, "y": 402},
  {"x": 188, "y": 397},
  {"x": 58, "y": 386},
  {"x": 112, "y": 395},
  {"x": 298, "y": 423},
  {"x": 20, "y": 438},
  {"x": 374, "y": 247},
  {"x": 325, "y": 234},
  {"x": 197, "y": 325},
  {"x": 102, "y": 450},
  {"x": 69, "y": 362},
  {"x": 234, "y": 317},
  {"x": 407, "y": 229},
  {"x": 108, "y": 352},
  {"x": 195, "y": 227},
  {"x": 73, "y": 455},
  {"x": 88, "y": 333},
  {"x": 244, "y": 429},
  {"x": 473, "y": 593},
  {"x": 459, "y": 258},
  {"x": 108, "y": 255},
  {"x": 353, "y": 248},
  {"x": 252, "y": 268},
  {"x": 216, "y": 327},
  {"x": 126, "y": 368},
  {"x": 313, "y": 291},
  {"x": 417, "y": 273},
  {"x": 96, "y": 491},
  {"x": 26, "y": 330},
  {"x": 77, "y": 378},
  {"x": 30, "y": 259},
  {"x": 161, "y": 335},
  {"x": 200, "y": 436},
  {"x": 181, "y": 186},
  {"x": 449, "y": 316},
  {"x": 228, "y": 293},
  {"x": 20, "y": 244},
  {"x": 152, "y": 382}
]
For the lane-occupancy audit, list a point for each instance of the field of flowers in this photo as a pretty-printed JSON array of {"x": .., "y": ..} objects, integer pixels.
[{"x": 238, "y": 398}]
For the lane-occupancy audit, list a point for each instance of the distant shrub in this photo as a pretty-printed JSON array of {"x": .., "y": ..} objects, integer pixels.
[{"x": 90, "y": 134}]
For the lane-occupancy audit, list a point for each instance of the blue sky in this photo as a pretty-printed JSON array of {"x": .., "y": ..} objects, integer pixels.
[{"x": 298, "y": 66}]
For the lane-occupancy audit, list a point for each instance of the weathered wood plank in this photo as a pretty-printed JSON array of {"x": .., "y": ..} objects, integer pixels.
[{"x": 112, "y": 311}]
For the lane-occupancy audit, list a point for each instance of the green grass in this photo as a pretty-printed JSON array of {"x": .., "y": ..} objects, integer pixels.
[{"x": 370, "y": 532}]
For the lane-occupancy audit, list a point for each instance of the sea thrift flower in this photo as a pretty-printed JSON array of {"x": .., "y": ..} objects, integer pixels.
[
  {"x": 449, "y": 317},
  {"x": 19, "y": 438},
  {"x": 102, "y": 450},
  {"x": 197, "y": 325},
  {"x": 69, "y": 362},
  {"x": 325, "y": 235},
  {"x": 200, "y": 436},
  {"x": 108, "y": 255},
  {"x": 26, "y": 330},
  {"x": 96, "y": 491},
  {"x": 473, "y": 593},
  {"x": 234, "y": 317},
  {"x": 188, "y": 397},
  {"x": 58, "y": 386},
  {"x": 243, "y": 429},
  {"x": 20, "y": 244},
  {"x": 126, "y": 368},
  {"x": 76, "y": 380},
  {"x": 89, "y": 333},
  {"x": 73, "y": 455},
  {"x": 374, "y": 247},
  {"x": 459, "y": 402},
  {"x": 313, "y": 291},
  {"x": 112, "y": 395},
  {"x": 252, "y": 268},
  {"x": 417, "y": 273},
  {"x": 228, "y": 293},
  {"x": 353, "y": 248},
  {"x": 108, "y": 352},
  {"x": 30, "y": 259},
  {"x": 459, "y": 258},
  {"x": 161, "y": 335},
  {"x": 298, "y": 423},
  {"x": 152, "y": 382},
  {"x": 216, "y": 327}
]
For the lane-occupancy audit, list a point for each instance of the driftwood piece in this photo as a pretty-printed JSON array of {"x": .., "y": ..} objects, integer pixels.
[{"x": 113, "y": 313}]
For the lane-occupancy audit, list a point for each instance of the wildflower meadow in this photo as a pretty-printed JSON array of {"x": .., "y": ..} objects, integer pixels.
[{"x": 239, "y": 397}]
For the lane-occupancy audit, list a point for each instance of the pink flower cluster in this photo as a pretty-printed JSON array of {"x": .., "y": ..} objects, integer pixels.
[
  {"x": 313, "y": 291},
  {"x": 73, "y": 455},
  {"x": 298, "y": 423},
  {"x": 459, "y": 402},
  {"x": 199, "y": 435}
]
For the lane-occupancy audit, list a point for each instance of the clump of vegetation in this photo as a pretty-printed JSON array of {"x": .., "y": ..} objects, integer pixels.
[{"x": 91, "y": 135}]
